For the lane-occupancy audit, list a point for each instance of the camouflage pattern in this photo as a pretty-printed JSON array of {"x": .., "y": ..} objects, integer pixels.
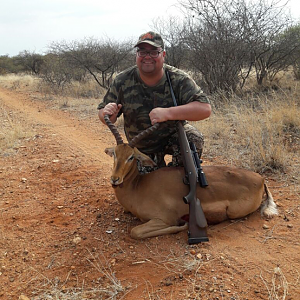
[
  {"x": 139, "y": 99},
  {"x": 173, "y": 148},
  {"x": 151, "y": 38}
]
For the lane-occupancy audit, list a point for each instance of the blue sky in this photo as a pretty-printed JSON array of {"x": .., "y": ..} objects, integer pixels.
[{"x": 34, "y": 24}]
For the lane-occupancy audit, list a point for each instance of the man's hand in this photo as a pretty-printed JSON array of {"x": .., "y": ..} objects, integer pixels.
[
  {"x": 111, "y": 109},
  {"x": 158, "y": 115}
]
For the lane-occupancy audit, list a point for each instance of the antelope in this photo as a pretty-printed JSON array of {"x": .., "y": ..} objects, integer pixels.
[{"x": 156, "y": 198}]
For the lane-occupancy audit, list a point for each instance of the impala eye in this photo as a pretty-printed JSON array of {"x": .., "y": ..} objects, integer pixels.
[{"x": 130, "y": 158}]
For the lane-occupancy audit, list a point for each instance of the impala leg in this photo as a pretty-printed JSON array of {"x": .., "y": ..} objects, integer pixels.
[{"x": 155, "y": 227}]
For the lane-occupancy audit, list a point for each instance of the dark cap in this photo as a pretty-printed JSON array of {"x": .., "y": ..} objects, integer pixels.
[{"x": 151, "y": 38}]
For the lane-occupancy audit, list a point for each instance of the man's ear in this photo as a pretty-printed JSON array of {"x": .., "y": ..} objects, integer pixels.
[
  {"x": 145, "y": 160},
  {"x": 110, "y": 151}
]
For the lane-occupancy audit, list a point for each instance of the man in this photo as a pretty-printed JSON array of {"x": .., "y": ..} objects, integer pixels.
[{"x": 147, "y": 100}]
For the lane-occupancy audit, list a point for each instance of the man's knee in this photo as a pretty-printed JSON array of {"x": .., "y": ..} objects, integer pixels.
[{"x": 195, "y": 136}]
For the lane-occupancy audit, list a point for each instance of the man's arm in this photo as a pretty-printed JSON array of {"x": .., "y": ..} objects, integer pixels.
[{"x": 193, "y": 111}]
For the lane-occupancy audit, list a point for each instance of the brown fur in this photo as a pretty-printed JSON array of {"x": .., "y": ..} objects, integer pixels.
[{"x": 157, "y": 198}]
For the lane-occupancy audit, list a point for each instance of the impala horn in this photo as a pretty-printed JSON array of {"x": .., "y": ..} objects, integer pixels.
[
  {"x": 143, "y": 134},
  {"x": 110, "y": 125},
  {"x": 114, "y": 130}
]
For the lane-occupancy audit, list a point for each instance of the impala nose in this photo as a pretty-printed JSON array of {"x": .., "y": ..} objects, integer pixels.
[{"x": 114, "y": 180}]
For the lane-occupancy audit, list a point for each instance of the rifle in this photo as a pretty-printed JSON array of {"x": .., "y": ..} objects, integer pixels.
[{"x": 194, "y": 173}]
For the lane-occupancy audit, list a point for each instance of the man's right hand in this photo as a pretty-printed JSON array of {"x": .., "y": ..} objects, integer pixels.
[{"x": 111, "y": 109}]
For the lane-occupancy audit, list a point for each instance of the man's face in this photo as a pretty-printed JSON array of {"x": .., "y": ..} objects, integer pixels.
[{"x": 149, "y": 65}]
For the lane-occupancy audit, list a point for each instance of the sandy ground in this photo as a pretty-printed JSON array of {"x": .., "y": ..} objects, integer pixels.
[{"x": 63, "y": 234}]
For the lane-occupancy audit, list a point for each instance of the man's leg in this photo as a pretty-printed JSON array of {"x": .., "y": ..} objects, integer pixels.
[
  {"x": 173, "y": 148},
  {"x": 195, "y": 136}
]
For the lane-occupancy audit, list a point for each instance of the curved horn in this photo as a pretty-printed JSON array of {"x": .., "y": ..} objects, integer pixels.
[
  {"x": 143, "y": 134},
  {"x": 110, "y": 125},
  {"x": 114, "y": 130}
]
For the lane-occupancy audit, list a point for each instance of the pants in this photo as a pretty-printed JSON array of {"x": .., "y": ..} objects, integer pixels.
[{"x": 173, "y": 148}]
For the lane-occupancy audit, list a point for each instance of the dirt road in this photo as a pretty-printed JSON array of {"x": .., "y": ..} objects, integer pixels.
[{"x": 64, "y": 235}]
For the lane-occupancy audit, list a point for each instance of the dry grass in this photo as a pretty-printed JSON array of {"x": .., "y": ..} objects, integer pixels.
[
  {"x": 86, "y": 89},
  {"x": 278, "y": 289},
  {"x": 107, "y": 286},
  {"x": 75, "y": 89},
  {"x": 12, "y": 131},
  {"x": 20, "y": 82},
  {"x": 260, "y": 133},
  {"x": 54, "y": 290}
]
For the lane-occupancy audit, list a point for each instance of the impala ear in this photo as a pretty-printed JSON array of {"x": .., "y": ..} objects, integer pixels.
[
  {"x": 145, "y": 160},
  {"x": 110, "y": 151}
]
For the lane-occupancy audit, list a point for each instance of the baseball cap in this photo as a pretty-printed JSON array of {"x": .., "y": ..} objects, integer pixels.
[{"x": 151, "y": 38}]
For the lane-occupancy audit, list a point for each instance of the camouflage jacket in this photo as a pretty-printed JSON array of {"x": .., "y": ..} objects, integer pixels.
[{"x": 140, "y": 99}]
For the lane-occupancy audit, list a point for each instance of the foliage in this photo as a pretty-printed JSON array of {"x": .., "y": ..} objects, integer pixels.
[
  {"x": 292, "y": 36},
  {"x": 100, "y": 58},
  {"x": 55, "y": 72},
  {"x": 228, "y": 38},
  {"x": 9, "y": 65},
  {"x": 30, "y": 61},
  {"x": 172, "y": 31},
  {"x": 276, "y": 52}
]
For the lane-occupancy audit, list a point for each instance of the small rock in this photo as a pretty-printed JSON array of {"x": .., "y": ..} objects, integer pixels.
[
  {"x": 23, "y": 180},
  {"x": 23, "y": 297},
  {"x": 168, "y": 283},
  {"x": 77, "y": 240},
  {"x": 208, "y": 256},
  {"x": 265, "y": 226},
  {"x": 199, "y": 256},
  {"x": 192, "y": 251},
  {"x": 290, "y": 225}
]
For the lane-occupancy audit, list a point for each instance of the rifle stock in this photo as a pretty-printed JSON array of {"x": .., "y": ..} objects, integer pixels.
[{"x": 197, "y": 221}]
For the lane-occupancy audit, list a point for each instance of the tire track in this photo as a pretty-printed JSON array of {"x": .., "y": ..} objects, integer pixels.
[{"x": 75, "y": 135}]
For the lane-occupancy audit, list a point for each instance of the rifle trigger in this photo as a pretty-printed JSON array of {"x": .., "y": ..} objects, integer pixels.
[
  {"x": 185, "y": 200},
  {"x": 186, "y": 180}
]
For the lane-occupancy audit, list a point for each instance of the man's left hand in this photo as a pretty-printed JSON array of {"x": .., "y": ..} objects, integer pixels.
[{"x": 158, "y": 115}]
